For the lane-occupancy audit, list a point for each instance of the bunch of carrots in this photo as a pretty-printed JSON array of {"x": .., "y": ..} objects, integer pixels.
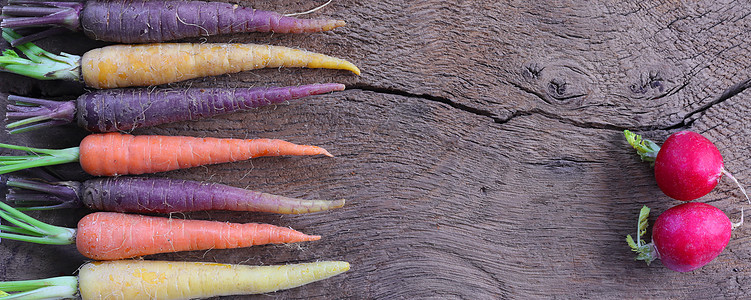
[{"x": 119, "y": 232}]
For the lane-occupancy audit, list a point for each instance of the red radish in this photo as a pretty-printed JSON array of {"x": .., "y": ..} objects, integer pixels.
[
  {"x": 685, "y": 237},
  {"x": 687, "y": 167}
]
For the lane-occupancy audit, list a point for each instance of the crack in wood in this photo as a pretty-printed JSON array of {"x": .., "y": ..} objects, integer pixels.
[
  {"x": 449, "y": 102},
  {"x": 686, "y": 122},
  {"x": 730, "y": 92}
]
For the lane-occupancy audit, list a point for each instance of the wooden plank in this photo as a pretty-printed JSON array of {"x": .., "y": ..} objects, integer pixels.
[{"x": 480, "y": 153}]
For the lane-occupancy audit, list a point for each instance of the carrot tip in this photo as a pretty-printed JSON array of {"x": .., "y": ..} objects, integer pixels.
[
  {"x": 338, "y": 203},
  {"x": 313, "y": 238},
  {"x": 326, "y": 152}
]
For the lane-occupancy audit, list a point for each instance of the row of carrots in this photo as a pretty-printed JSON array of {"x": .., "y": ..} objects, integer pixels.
[{"x": 111, "y": 238}]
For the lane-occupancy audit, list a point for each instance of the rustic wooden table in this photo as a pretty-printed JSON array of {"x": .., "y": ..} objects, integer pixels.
[{"x": 481, "y": 151}]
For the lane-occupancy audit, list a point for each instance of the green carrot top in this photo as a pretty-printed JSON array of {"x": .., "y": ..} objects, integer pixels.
[
  {"x": 64, "y": 287},
  {"x": 39, "y": 63}
]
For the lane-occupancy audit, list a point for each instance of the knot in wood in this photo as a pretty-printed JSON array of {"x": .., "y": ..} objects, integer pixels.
[
  {"x": 557, "y": 88},
  {"x": 560, "y": 84},
  {"x": 650, "y": 82},
  {"x": 654, "y": 83},
  {"x": 565, "y": 87}
]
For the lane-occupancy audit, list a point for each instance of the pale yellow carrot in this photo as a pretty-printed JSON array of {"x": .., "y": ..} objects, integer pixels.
[
  {"x": 142, "y": 279},
  {"x": 154, "y": 64}
]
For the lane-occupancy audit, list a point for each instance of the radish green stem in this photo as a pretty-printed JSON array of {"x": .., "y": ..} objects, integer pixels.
[
  {"x": 646, "y": 149},
  {"x": 645, "y": 252},
  {"x": 39, "y": 63},
  {"x": 29, "y": 229},
  {"x": 63, "y": 287}
]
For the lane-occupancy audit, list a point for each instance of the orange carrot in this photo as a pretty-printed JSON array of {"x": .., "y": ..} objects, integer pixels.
[
  {"x": 115, "y": 153},
  {"x": 111, "y": 154},
  {"x": 112, "y": 236}
]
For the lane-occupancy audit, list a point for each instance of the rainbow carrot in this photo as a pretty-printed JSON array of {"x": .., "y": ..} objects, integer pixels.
[
  {"x": 111, "y": 154},
  {"x": 153, "y": 64},
  {"x": 142, "y": 21},
  {"x": 128, "y": 109},
  {"x": 112, "y": 236},
  {"x": 152, "y": 195},
  {"x": 165, "y": 280}
]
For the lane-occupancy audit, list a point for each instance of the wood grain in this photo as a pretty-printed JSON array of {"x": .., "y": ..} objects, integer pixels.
[{"x": 481, "y": 152}]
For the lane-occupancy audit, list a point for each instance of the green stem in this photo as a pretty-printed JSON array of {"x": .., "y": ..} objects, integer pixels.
[
  {"x": 646, "y": 149},
  {"x": 12, "y": 229},
  {"x": 11, "y": 158},
  {"x": 27, "y": 285},
  {"x": 645, "y": 252},
  {"x": 28, "y": 229},
  {"x": 22, "y": 227},
  {"x": 17, "y": 215},
  {"x": 38, "y": 158},
  {"x": 64, "y": 287},
  {"x": 26, "y": 121},
  {"x": 39, "y": 63},
  {"x": 12, "y": 59},
  {"x": 29, "y": 149}
]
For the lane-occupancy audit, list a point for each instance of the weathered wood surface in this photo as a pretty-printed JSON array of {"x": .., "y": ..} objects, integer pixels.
[{"x": 481, "y": 151}]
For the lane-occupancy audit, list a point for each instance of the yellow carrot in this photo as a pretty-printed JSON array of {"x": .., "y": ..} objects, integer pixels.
[
  {"x": 143, "y": 279},
  {"x": 154, "y": 64},
  {"x": 189, "y": 280}
]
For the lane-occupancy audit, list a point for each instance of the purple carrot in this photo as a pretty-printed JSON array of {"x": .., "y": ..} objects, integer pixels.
[
  {"x": 153, "y": 195},
  {"x": 127, "y": 109},
  {"x": 147, "y": 21}
]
